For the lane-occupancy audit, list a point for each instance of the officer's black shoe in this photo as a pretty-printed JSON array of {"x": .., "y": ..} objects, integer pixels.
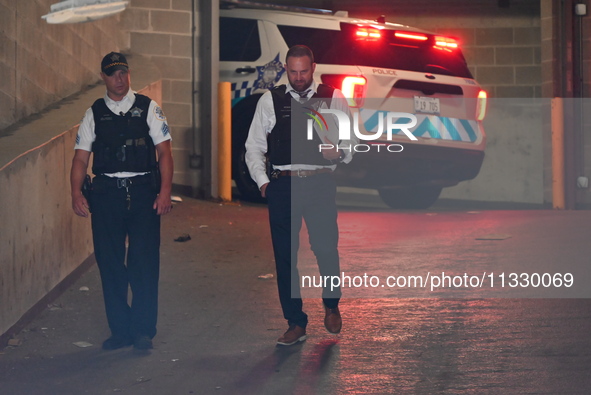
[
  {"x": 115, "y": 342},
  {"x": 142, "y": 343}
]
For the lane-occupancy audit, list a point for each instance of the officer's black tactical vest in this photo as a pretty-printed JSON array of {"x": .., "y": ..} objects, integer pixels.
[
  {"x": 292, "y": 147},
  {"x": 123, "y": 143}
]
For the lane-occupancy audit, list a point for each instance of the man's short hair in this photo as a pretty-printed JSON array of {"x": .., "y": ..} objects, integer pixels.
[{"x": 297, "y": 51}]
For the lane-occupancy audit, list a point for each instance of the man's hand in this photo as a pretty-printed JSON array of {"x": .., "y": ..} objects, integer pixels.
[
  {"x": 80, "y": 205},
  {"x": 264, "y": 190},
  {"x": 77, "y": 174},
  {"x": 162, "y": 204},
  {"x": 331, "y": 154}
]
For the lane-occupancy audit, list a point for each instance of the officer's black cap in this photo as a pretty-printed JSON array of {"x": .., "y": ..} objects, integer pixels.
[{"x": 112, "y": 62}]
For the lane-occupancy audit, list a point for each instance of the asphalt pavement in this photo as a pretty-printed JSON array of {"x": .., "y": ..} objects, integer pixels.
[{"x": 220, "y": 316}]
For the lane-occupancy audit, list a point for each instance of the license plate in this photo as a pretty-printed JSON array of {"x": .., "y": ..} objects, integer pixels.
[{"x": 427, "y": 105}]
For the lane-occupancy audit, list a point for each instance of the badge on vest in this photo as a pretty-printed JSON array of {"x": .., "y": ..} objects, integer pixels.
[{"x": 136, "y": 112}]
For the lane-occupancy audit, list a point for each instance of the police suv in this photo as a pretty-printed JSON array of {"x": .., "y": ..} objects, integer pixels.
[{"x": 392, "y": 75}]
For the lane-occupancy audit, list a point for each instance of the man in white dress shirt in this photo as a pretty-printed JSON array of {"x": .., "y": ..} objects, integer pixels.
[{"x": 300, "y": 186}]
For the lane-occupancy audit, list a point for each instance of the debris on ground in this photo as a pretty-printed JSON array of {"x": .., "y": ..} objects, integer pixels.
[
  {"x": 183, "y": 238},
  {"x": 82, "y": 344}
]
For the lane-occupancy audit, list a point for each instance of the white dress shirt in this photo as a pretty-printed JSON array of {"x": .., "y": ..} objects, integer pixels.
[{"x": 263, "y": 123}]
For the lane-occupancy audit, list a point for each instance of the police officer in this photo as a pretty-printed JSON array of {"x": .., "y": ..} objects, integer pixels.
[
  {"x": 129, "y": 138},
  {"x": 301, "y": 185}
]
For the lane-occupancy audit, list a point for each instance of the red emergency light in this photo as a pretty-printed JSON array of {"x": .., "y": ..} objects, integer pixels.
[
  {"x": 411, "y": 36},
  {"x": 446, "y": 42},
  {"x": 368, "y": 34},
  {"x": 440, "y": 42}
]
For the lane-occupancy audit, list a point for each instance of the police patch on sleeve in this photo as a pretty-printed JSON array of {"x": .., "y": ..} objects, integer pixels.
[{"x": 159, "y": 113}]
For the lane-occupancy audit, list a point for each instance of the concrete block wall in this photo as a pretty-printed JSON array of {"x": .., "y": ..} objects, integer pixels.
[
  {"x": 41, "y": 240},
  {"x": 41, "y": 63},
  {"x": 160, "y": 30},
  {"x": 513, "y": 168},
  {"x": 512, "y": 70}
]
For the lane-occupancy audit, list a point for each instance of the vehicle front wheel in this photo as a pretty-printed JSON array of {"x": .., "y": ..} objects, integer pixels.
[{"x": 410, "y": 197}]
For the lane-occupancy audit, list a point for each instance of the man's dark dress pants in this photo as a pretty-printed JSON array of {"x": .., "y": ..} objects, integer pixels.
[
  {"x": 312, "y": 198},
  {"x": 114, "y": 220}
]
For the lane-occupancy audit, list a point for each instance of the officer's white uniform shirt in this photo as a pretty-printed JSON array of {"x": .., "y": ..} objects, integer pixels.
[
  {"x": 159, "y": 130},
  {"x": 262, "y": 124}
]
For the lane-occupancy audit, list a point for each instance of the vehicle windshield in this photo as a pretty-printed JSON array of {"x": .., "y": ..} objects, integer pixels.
[{"x": 343, "y": 47}]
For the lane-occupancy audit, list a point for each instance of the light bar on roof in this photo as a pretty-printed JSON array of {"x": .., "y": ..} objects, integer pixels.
[
  {"x": 446, "y": 42},
  {"x": 368, "y": 33}
]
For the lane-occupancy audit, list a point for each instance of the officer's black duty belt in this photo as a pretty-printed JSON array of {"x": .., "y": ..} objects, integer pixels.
[
  {"x": 299, "y": 173},
  {"x": 112, "y": 182}
]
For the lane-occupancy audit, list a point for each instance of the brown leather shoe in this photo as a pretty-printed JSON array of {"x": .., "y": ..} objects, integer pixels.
[
  {"x": 332, "y": 320},
  {"x": 293, "y": 335}
]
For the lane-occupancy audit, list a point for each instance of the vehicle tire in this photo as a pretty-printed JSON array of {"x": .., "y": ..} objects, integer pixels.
[
  {"x": 242, "y": 115},
  {"x": 410, "y": 197}
]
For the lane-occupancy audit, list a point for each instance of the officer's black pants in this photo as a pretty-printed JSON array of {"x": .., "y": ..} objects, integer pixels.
[
  {"x": 112, "y": 223},
  {"x": 289, "y": 200}
]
